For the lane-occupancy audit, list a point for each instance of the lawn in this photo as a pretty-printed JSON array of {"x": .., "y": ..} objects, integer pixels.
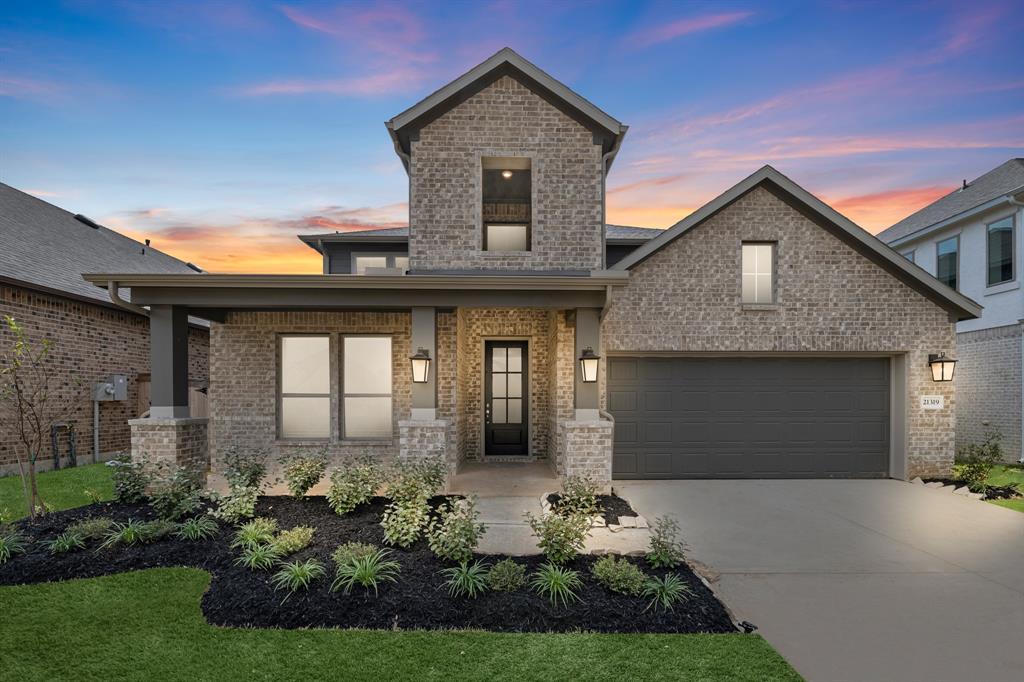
[
  {"x": 62, "y": 489},
  {"x": 147, "y": 625},
  {"x": 1008, "y": 475}
]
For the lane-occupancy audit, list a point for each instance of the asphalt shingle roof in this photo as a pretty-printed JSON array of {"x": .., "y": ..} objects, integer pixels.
[{"x": 997, "y": 182}]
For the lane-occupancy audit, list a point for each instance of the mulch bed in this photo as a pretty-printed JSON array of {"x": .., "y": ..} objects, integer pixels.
[
  {"x": 612, "y": 506},
  {"x": 243, "y": 598},
  {"x": 1008, "y": 492}
]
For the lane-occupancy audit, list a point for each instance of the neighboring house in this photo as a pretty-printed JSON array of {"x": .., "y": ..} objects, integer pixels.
[
  {"x": 970, "y": 240},
  {"x": 763, "y": 336},
  {"x": 43, "y": 251}
]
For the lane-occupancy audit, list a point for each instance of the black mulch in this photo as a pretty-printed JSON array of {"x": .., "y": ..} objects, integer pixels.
[
  {"x": 1008, "y": 492},
  {"x": 239, "y": 597},
  {"x": 612, "y": 506}
]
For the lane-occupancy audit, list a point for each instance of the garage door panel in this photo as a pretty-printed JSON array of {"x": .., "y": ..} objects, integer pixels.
[{"x": 622, "y": 401}]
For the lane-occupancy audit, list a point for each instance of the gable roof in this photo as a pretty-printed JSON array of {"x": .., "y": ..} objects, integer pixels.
[
  {"x": 1002, "y": 181},
  {"x": 406, "y": 125},
  {"x": 828, "y": 218},
  {"x": 48, "y": 248}
]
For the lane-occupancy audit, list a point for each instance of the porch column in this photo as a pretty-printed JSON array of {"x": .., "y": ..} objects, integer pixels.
[
  {"x": 588, "y": 333},
  {"x": 168, "y": 362},
  {"x": 424, "y": 335}
]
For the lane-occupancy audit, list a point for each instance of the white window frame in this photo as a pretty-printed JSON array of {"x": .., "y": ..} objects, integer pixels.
[
  {"x": 910, "y": 255},
  {"x": 1013, "y": 250},
  {"x": 345, "y": 394},
  {"x": 772, "y": 274},
  {"x": 281, "y": 395},
  {"x": 388, "y": 256}
]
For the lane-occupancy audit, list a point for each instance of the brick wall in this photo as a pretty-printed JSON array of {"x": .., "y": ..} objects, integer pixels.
[
  {"x": 505, "y": 119},
  {"x": 90, "y": 342},
  {"x": 988, "y": 381},
  {"x": 586, "y": 451},
  {"x": 166, "y": 444},
  {"x": 831, "y": 299}
]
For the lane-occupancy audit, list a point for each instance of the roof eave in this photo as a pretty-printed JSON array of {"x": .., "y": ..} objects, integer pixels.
[{"x": 1008, "y": 198}]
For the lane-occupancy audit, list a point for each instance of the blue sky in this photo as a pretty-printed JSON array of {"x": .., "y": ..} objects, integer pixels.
[{"x": 222, "y": 129}]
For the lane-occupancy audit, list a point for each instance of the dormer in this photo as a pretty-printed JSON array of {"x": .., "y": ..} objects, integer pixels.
[{"x": 506, "y": 172}]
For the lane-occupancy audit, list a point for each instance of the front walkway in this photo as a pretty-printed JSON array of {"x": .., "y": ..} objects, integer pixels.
[{"x": 859, "y": 580}]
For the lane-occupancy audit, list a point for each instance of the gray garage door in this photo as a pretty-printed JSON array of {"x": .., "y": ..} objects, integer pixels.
[{"x": 749, "y": 417}]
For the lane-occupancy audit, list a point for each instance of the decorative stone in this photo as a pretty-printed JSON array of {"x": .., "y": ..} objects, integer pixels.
[
  {"x": 627, "y": 521},
  {"x": 917, "y": 481},
  {"x": 962, "y": 490},
  {"x": 948, "y": 488},
  {"x": 599, "y": 551},
  {"x": 614, "y": 527},
  {"x": 976, "y": 496},
  {"x": 641, "y": 522},
  {"x": 636, "y": 552},
  {"x": 934, "y": 485},
  {"x": 597, "y": 521}
]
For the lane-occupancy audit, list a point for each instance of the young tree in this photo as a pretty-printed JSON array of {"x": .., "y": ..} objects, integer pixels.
[{"x": 34, "y": 396}]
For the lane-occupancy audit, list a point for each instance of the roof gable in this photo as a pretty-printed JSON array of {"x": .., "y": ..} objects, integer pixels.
[{"x": 827, "y": 218}]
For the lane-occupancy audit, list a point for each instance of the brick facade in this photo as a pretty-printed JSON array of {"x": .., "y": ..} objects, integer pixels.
[
  {"x": 90, "y": 342},
  {"x": 585, "y": 449},
  {"x": 831, "y": 299},
  {"x": 505, "y": 119},
  {"x": 988, "y": 379},
  {"x": 166, "y": 444}
]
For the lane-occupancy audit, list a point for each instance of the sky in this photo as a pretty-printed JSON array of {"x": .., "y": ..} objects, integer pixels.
[{"x": 220, "y": 130}]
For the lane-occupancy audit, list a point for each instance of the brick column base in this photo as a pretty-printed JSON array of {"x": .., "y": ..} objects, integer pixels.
[
  {"x": 171, "y": 442},
  {"x": 425, "y": 439},
  {"x": 585, "y": 449}
]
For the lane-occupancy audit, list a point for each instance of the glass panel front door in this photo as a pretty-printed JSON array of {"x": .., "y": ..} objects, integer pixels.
[{"x": 505, "y": 385}]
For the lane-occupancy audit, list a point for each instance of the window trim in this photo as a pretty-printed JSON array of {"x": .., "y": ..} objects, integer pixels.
[
  {"x": 529, "y": 235},
  {"x": 389, "y": 257},
  {"x": 774, "y": 273},
  {"x": 342, "y": 435},
  {"x": 1013, "y": 250},
  {"x": 280, "y": 394},
  {"x": 482, "y": 225},
  {"x": 910, "y": 256},
  {"x": 943, "y": 241}
]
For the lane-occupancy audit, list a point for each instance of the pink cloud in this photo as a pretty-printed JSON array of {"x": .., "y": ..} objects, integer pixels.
[
  {"x": 389, "y": 30},
  {"x": 360, "y": 86},
  {"x": 19, "y": 87},
  {"x": 877, "y": 211},
  {"x": 681, "y": 27}
]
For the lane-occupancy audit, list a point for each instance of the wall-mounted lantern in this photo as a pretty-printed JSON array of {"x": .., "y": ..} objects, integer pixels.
[
  {"x": 588, "y": 365},
  {"x": 420, "y": 366},
  {"x": 941, "y": 366}
]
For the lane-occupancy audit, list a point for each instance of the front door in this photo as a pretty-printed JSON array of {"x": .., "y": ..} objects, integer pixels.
[{"x": 505, "y": 398}]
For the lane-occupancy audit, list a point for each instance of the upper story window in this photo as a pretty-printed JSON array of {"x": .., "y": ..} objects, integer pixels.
[
  {"x": 909, "y": 255},
  {"x": 999, "y": 262},
  {"x": 506, "y": 203},
  {"x": 304, "y": 402},
  {"x": 947, "y": 266},
  {"x": 363, "y": 261},
  {"x": 758, "y": 272}
]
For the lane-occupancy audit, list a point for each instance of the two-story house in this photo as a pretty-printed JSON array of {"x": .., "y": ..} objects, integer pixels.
[
  {"x": 765, "y": 335},
  {"x": 969, "y": 240}
]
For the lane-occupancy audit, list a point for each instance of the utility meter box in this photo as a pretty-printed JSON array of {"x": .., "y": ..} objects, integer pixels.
[{"x": 114, "y": 387}]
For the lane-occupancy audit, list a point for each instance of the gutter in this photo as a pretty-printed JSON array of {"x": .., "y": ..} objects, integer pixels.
[{"x": 115, "y": 297}]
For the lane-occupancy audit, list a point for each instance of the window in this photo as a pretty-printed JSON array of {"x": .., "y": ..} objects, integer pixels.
[
  {"x": 1000, "y": 251},
  {"x": 758, "y": 273},
  {"x": 366, "y": 377},
  {"x": 506, "y": 203},
  {"x": 305, "y": 385},
  {"x": 948, "y": 261},
  {"x": 362, "y": 261},
  {"x": 909, "y": 255}
]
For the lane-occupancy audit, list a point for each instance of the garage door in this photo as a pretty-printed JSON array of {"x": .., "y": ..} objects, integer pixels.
[{"x": 749, "y": 417}]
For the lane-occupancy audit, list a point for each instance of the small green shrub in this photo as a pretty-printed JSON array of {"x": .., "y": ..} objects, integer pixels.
[
  {"x": 11, "y": 542},
  {"x": 352, "y": 550},
  {"x": 176, "y": 494},
  {"x": 975, "y": 462},
  {"x": 258, "y": 557},
  {"x": 302, "y": 471},
  {"x": 259, "y": 531},
  {"x": 560, "y": 537},
  {"x": 619, "y": 575},
  {"x": 404, "y": 520},
  {"x": 666, "y": 592},
  {"x": 290, "y": 541},
  {"x": 466, "y": 579},
  {"x": 297, "y": 575},
  {"x": 454, "y": 533},
  {"x": 245, "y": 468},
  {"x": 237, "y": 505},
  {"x": 368, "y": 572},
  {"x": 666, "y": 549},
  {"x": 197, "y": 528},
  {"x": 159, "y": 529},
  {"x": 66, "y": 542},
  {"x": 129, "y": 479},
  {"x": 94, "y": 528},
  {"x": 579, "y": 496},
  {"x": 506, "y": 576},
  {"x": 354, "y": 485},
  {"x": 557, "y": 583},
  {"x": 128, "y": 533},
  {"x": 414, "y": 480},
  {"x": 93, "y": 496}
]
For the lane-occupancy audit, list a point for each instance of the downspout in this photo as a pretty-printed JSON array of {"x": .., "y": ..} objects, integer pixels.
[
  {"x": 407, "y": 162},
  {"x": 1020, "y": 326},
  {"x": 606, "y": 162},
  {"x": 115, "y": 297}
]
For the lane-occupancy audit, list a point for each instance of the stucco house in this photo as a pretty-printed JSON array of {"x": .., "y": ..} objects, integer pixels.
[
  {"x": 968, "y": 239},
  {"x": 43, "y": 251},
  {"x": 763, "y": 336}
]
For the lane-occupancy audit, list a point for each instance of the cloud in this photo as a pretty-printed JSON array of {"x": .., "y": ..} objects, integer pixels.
[
  {"x": 663, "y": 33},
  {"x": 879, "y": 210},
  {"x": 361, "y": 86},
  {"x": 27, "y": 88},
  {"x": 41, "y": 193},
  {"x": 386, "y": 30},
  {"x": 649, "y": 183}
]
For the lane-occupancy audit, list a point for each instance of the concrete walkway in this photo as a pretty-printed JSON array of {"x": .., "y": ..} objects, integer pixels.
[{"x": 860, "y": 580}]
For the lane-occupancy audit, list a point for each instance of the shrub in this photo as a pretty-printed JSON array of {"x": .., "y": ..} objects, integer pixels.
[
  {"x": 91, "y": 529},
  {"x": 466, "y": 579},
  {"x": 506, "y": 576},
  {"x": 128, "y": 533},
  {"x": 93, "y": 496},
  {"x": 367, "y": 571},
  {"x": 245, "y": 468},
  {"x": 559, "y": 537},
  {"x": 157, "y": 530},
  {"x": 238, "y": 505},
  {"x": 11, "y": 542},
  {"x": 176, "y": 494},
  {"x": 413, "y": 480},
  {"x": 289, "y": 542},
  {"x": 666, "y": 592},
  {"x": 302, "y": 471},
  {"x": 259, "y": 531},
  {"x": 455, "y": 533},
  {"x": 66, "y": 542},
  {"x": 975, "y": 462},
  {"x": 197, "y": 528},
  {"x": 258, "y": 557},
  {"x": 354, "y": 485},
  {"x": 557, "y": 583},
  {"x": 297, "y": 575},
  {"x": 129, "y": 479},
  {"x": 404, "y": 520},
  {"x": 351, "y": 551},
  {"x": 579, "y": 496},
  {"x": 619, "y": 575},
  {"x": 666, "y": 549}
]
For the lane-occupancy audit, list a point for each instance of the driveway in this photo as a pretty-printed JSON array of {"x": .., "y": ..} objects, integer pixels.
[{"x": 859, "y": 580}]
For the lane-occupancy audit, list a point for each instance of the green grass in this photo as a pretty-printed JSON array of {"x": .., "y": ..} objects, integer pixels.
[
  {"x": 1012, "y": 474},
  {"x": 147, "y": 625},
  {"x": 62, "y": 489}
]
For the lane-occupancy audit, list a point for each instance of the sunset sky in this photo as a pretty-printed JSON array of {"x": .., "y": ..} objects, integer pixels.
[{"x": 220, "y": 130}]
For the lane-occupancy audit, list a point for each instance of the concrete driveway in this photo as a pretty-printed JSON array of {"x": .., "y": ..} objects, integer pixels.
[{"x": 859, "y": 580}]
